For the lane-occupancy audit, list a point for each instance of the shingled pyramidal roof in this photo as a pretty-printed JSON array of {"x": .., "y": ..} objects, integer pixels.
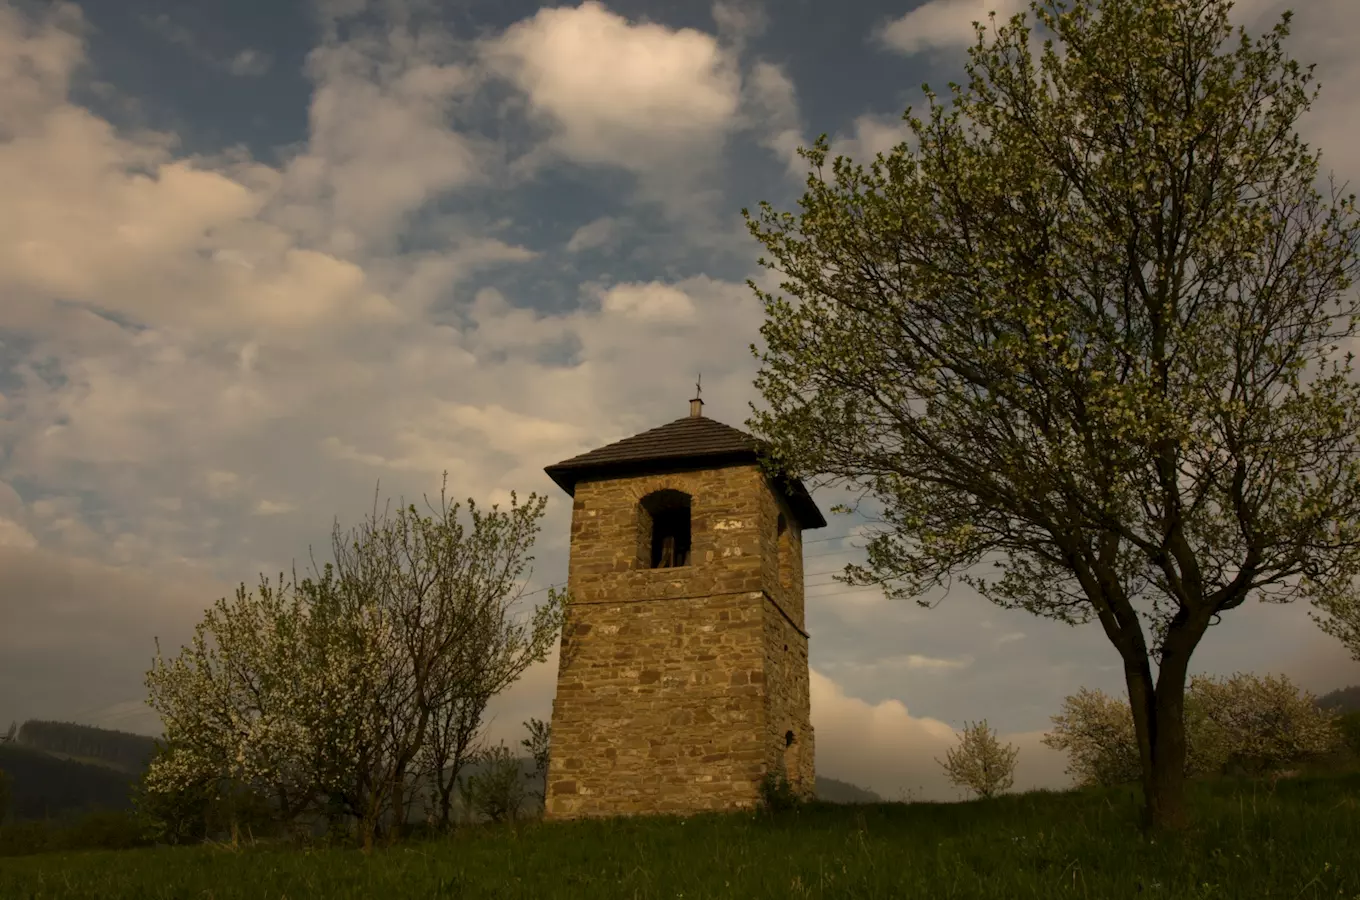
[{"x": 693, "y": 442}]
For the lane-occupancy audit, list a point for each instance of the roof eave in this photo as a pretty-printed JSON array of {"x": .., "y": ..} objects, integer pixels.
[
  {"x": 566, "y": 475},
  {"x": 804, "y": 507}
]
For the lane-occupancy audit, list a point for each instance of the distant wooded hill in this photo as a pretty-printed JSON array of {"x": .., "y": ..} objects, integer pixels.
[
  {"x": 45, "y": 786},
  {"x": 121, "y": 750},
  {"x": 1343, "y": 700},
  {"x": 61, "y": 768}
]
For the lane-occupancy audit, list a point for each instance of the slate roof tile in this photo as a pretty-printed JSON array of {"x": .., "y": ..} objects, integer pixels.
[{"x": 691, "y": 441}]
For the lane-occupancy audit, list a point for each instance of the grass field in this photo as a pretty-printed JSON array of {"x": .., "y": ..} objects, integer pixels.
[{"x": 1299, "y": 840}]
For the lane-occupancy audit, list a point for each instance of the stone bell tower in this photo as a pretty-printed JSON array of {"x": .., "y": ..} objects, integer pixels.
[{"x": 684, "y": 671}]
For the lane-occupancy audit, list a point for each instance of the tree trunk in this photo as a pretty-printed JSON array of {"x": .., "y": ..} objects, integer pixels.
[
  {"x": 1159, "y": 723},
  {"x": 445, "y": 802},
  {"x": 369, "y": 827},
  {"x": 1166, "y": 802},
  {"x": 398, "y": 803}
]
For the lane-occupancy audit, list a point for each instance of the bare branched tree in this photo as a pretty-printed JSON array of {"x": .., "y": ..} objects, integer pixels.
[
  {"x": 449, "y": 597},
  {"x": 344, "y": 692}
]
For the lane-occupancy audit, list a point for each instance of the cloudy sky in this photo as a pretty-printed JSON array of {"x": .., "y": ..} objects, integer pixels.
[{"x": 257, "y": 257}]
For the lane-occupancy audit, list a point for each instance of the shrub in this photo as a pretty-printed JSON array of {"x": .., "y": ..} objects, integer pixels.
[
  {"x": 538, "y": 743},
  {"x": 1348, "y": 726},
  {"x": 173, "y": 816},
  {"x": 498, "y": 792},
  {"x": 1259, "y": 725},
  {"x": 94, "y": 830},
  {"x": 777, "y": 795},
  {"x": 1246, "y": 724},
  {"x": 1096, "y": 731}
]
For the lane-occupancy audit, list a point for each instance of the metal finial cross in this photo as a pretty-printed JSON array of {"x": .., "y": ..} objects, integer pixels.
[{"x": 698, "y": 391}]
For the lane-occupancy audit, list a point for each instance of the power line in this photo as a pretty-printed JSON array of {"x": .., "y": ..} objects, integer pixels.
[
  {"x": 853, "y": 590},
  {"x": 846, "y": 536},
  {"x": 542, "y": 589},
  {"x": 836, "y": 552}
]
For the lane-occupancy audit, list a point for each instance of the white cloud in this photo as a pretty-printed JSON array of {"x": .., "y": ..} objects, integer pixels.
[
  {"x": 272, "y": 508},
  {"x": 944, "y": 24},
  {"x": 37, "y": 58},
  {"x": 871, "y": 135},
  {"x": 380, "y": 145},
  {"x": 774, "y": 102},
  {"x": 600, "y": 232},
  {"x": 738, "y": 20},
  {"x": 884, "y": 748},
  {"x": 653, "y": 302},
  {"x": 249, "y": 62},
  {"x": 636, "y": 96},
  {"x": 12, "y": 534},
  {"x": 116, "y": 223}
]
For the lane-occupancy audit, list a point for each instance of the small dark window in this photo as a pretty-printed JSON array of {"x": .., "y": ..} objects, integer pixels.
[
  {"x": 670, "y": 539},
  {"x": 667, "y": 515},
  {"x": 788, "y": 739}
]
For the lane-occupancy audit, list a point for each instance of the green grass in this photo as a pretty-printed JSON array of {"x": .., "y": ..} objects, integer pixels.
[{"x": 1300, "y": 841}]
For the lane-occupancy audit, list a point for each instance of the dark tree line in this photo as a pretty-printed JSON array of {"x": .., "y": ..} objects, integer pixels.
[
  {"x": 42, "y": 786},
  {"x": 1344, "y": 700},
  {"x": 129, "y": 752}
]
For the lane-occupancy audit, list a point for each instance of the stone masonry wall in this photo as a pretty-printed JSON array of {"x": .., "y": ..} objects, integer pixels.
[
  {"x": 787, "y": 701},
  {"x": 782, "y": 569},
  {"x": 664, "y": 697}
]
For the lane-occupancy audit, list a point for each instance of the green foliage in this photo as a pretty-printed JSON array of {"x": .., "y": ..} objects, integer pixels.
[
  {"x": 94, "y": 830},
  {"x": 1349, "y": 726},
  {"x": 777, "y": 795},
  {"x": 539, "y": 745},
  {"x": 1065, "y": 332},
  {"x": 1258, "y": 724},
  {"x": 6, "y": 795},
  {"x": 174, "y": 815},
  {"x": 980, "y": 763},
  {"x": 333, "y": 693},
  {"x": 1239, "y": 724},
  {"x": 1297, "y": 842}
]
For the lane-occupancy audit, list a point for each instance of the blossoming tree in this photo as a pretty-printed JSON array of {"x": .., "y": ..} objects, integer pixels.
[
  {"x": 346, "y": 692},
  {"x": 1066, "y": 332}
]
